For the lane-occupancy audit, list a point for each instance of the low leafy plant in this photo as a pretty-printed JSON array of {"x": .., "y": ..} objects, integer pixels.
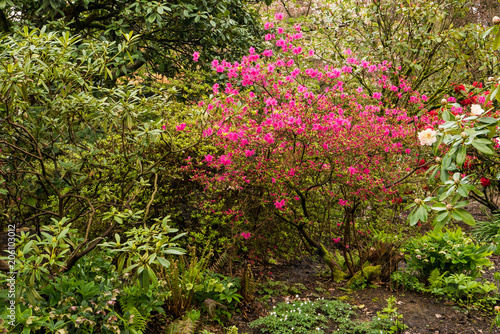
[
  {"x": 141, "y": 302},
  {"x": 75, "y": 301},
  {"x": 183, "y": 279},
  {"x": 389, "y": 320},
  {"x": 450, "y": 251},
  {"x": 185, "y": 325},
  {"x": 465, "y": 290},
  {"x": 228, "y": 294},
  {"x": 145, "y": 250},
  {"x": 279, "y": 288},
  {"x": 322, "y": 315},
  {"x": 496, "y": 320},
  {"x": 489, "y": 232},
  {"x": 219, "y": 294},
  {"x": 406, "y": 280}
]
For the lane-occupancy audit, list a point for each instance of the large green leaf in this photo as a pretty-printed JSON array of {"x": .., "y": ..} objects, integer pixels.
[
  {"x": 466, "y": 217},
  {"x": 496, "y": 42},
  {"x": 461, "y": 155},
  {"x": 483, "y": 148},
  {"x": 439, "y": 207}
]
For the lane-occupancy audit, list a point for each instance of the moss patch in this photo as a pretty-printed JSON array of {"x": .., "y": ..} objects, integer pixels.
[{"x": 367, "y": 274}]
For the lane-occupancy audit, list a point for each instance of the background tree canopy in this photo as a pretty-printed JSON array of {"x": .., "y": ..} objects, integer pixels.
[{"x": 170, "y": 31}]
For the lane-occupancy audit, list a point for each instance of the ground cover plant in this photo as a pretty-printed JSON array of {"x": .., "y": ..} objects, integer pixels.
[
  {"x": 320, "y": 316},
  {"x": 162, "y": 163}
]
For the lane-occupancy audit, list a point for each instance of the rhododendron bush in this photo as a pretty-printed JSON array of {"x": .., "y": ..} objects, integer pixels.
[
  {"x": 464, "y": 161},
  {"x": 307, "y": 146},
  {"x": 430, "y": 41}
]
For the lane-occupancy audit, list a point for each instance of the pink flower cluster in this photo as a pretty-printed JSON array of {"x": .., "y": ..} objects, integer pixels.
[{"x": 291, "y": 140}]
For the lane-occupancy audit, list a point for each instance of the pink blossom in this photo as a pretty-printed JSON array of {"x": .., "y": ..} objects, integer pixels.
[
  {"x": 279, "y": 16},
  {"x": 209, "y": 158},
  {"x": 269, "y": 138},
  {"x": 249, "y": 153},
  {"x": 268, "y": 25},
  {"x": 180, "y": 127},
  {"x": 225, "y": 160},
  {"x": 297, "y": 50},
  {"x": 269, "y": 37},
  {"x": 297, "y": 27},
  {"x": 196, "y": 56},
  {"x": 281, "y": 30},
  {"x": 271, "y": 102},
  {"x": 279, "y": 204},
  {"x": 268, "y": 53},
  {"x": 346, "y": 69},
  {"x": 342, "y": 202},
  {"x": 246, "y": 235}
]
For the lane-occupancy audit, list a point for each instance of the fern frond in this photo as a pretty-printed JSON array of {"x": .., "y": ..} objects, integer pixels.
[
  {"x": 247, "y": 284},
  {"x": 434, "y": 277},
  {"x": 185, "y": 326},
  {"x": 139, "y": 321},
  {"x": 212, "y": 305},
  {"x": 220, "y": 263}
]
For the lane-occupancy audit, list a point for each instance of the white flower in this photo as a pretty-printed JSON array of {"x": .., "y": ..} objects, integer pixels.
[
  {"x": 476, "y": 110},
  {"x": 427, "y": 137}
]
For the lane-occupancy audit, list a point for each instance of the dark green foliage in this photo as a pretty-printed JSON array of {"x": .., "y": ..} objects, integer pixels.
[
  {"x": 325, "y": 316},
  {"x": 465, "y": 290},
  {"x": 135, "y": 299},
  {"x": 448, "y": 264},
  {"x": 489, "y": 231},
  {"x": 169, "y": 31},
  {"x": 449, "y": 250},
  {"x": 75, "y": 301},
  {"x": 428, "y": 40}
]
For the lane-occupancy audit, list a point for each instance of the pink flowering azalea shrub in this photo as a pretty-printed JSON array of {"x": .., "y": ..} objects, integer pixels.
[{"x": 304, "y": 149}]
